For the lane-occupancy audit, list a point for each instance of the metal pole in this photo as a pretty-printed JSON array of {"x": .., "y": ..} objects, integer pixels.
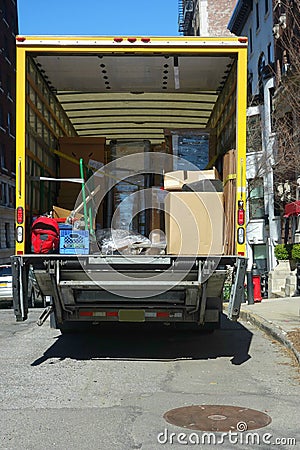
[
  {"x": 250, "y": 293},
  {"x": 83, "y": 194}
]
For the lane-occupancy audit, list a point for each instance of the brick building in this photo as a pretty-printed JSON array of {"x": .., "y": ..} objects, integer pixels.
[
  {"x": 205, "y": 17},
  {"x": 8, "y": 31}
]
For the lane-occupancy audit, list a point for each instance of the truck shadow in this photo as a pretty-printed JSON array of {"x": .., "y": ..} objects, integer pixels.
[{"x": 160, "y": 343}]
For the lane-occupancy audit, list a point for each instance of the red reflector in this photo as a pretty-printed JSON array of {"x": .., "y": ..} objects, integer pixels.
[
  {"x": 243, "y": 40},
  {"x": 20, "y": 215},
  {"x": 112, "y": 314},
  {"x": 85, "y": 313},
  {"x": 162, "y": 314},
  {"x": 241, "y": 253},
  {"x": 118, "y": 39},
  {"x": 131, "y": 40},
  {"x": 20, "y": 252},
  {"x": 146, "y": 40},
  {"x": 20, "y": 38},
  {"x": 241, "y": 216}
]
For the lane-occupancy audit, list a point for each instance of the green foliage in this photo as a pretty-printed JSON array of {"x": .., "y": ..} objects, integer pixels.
[
  {"x": 296, "y": 252},
  {"x": 283, "y": 251},
  {"x": 226, "y": 291}
]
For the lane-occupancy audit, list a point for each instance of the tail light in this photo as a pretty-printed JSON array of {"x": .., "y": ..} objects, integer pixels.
[
  {"x": 20, "y": 214},
  {"x": 241, "y": 213}
]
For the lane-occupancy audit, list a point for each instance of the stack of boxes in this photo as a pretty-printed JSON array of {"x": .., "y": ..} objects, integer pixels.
[
  {"x": 194, "y": 221},
  {"x": 127, "y": 205}
]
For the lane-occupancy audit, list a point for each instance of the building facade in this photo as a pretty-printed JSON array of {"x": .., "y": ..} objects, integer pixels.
[
  {"x": 255, "y": 19},
  {"x": 205, "y": 17},
  {"x": 286, "y": 31},
  {"x": 8, "y": 31}
]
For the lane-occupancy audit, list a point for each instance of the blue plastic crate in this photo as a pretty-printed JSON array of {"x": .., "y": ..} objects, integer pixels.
[{"x": 73, "y": 242}]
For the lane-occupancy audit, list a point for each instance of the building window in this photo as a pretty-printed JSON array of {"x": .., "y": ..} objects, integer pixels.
[
  {"x": 257, "y": 15},
  {"x": 261, "y": 64},
  {"x": 256, "y": 198},
  {"x": 6, "y": 49},
  {"x": 8, "y": 86},
  {"x": 4, "y": 10},
  {"x": 13, "y": 162},
  {"x": 271, "y": 94},
  {"x": 2, "y": 157},
  {"x": 2, "y": 125},
  {"x": 250, "y": 41},
  {"x": 260, "y": 257},
  {"x": 3, "y": 194},
  {"x": 269, "y": 53},
  {"x": 254, "y": 134},
  {"x": 266, "y": 6},
  {"x": 8, "y": 123},
  {"x": 7, "y": 235}
]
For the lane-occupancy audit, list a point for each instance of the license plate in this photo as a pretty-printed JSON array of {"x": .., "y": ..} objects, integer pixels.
[{"x": 132, "y": 315}]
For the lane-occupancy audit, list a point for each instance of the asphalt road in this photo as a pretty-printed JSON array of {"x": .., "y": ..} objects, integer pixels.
[{"x": 109, "y": 390}]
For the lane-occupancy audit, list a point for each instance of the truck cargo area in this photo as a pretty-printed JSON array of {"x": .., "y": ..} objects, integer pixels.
[{"x": 88, "y": 108}]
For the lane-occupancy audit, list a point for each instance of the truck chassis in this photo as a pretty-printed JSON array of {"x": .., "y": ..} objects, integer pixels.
[{"x": 92, "y": 289}]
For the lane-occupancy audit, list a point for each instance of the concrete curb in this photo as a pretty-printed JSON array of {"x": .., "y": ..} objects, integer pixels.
[{"x": 271, "y": 329}]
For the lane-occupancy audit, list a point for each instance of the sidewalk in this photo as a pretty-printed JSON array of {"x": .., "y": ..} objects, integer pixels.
[{"x": 278, "y": 317}]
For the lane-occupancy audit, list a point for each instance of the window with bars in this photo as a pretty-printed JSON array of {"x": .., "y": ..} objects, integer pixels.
[{"x": 256, "y": 198}]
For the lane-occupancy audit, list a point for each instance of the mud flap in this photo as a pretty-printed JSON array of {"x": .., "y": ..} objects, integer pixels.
[
  {"x": 237, "y": 294},
  {"x": 20, "y": 297}
]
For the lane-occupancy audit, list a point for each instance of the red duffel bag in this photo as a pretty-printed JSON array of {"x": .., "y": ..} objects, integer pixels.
[{"x": 45, "y": 235}]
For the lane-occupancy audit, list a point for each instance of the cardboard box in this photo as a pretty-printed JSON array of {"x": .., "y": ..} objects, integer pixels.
[
  {"x": 173, "y": 181},
  {"x": 194, "y": 223},
  {"x": 80, "y": 147},
  {"x": 63, "y": 213}
]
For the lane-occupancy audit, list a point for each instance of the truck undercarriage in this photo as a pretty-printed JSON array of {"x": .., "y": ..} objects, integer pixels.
[{"x": 92, "y": 289}]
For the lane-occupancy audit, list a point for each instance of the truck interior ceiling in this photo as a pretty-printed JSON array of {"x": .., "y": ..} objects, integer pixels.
[{"x": 136, "y": 96}]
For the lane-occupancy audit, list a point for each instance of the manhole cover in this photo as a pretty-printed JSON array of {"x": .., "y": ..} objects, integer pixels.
[{"x": 217, "y": 418}]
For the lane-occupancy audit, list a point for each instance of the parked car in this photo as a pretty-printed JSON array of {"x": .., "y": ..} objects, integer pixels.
[{"x": 6, "y": 292}]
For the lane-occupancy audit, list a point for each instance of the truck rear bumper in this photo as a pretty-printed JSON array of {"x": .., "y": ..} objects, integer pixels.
[{"x": 116, "y": 288}]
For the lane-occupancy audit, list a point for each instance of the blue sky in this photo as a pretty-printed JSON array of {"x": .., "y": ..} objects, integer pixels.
[{"x": 98, "y": 17}]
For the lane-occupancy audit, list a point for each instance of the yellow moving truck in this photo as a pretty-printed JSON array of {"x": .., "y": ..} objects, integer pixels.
[{"x": 102, "y": 120}]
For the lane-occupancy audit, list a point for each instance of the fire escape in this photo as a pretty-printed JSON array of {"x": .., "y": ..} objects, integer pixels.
[{"x": 185, "y": 16}]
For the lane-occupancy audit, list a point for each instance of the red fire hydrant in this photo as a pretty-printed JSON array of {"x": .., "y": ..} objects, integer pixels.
[{"x": 256, "y": 284}]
